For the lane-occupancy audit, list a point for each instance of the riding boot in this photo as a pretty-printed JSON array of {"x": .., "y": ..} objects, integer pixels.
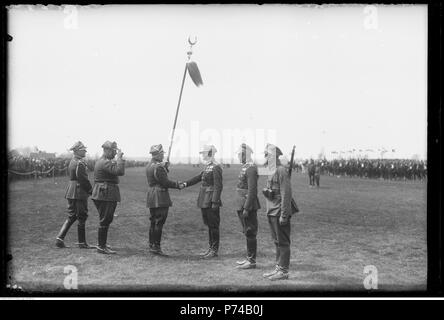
[
  {"x": 82, "y": 237},
  {"x": 151, "y": 237},
  {"x": 215, "y": 239},
  {"x": 103, "y": 235},
  {"x": 65, "y": 228}
]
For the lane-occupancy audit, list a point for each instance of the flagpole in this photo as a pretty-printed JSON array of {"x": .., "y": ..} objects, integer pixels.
[
  {"x": 189, "y": 53},
  {"x": 177, "y": 113}
]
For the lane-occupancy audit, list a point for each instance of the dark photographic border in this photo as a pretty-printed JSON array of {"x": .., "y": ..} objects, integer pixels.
[{"x": 434, "y": 188}]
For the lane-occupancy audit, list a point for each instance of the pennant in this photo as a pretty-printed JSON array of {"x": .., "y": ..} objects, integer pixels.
[{"x": 194, "y": 73}]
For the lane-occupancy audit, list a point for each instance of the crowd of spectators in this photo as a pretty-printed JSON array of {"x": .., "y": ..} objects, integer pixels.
[
  {"x": 20, "y": 167},
  {"x": 387, "y": 169}
]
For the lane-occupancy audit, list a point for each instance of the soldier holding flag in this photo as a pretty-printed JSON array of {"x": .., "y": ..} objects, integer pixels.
[{"x": 158, "y": 199}]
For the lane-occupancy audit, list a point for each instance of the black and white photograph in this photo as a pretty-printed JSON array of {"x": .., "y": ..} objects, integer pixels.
[{"x": 242, "y": 149}]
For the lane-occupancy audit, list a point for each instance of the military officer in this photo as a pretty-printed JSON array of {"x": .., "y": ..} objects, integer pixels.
[
  {"x": 279, "y": 210},
  {"x": 106, "y": 192},
  {"x": 209, "y": 197},
  {"x": 77, "y": 192},
  {"x": 158, "y": 198},
  {"x": 247, "y": 204}
]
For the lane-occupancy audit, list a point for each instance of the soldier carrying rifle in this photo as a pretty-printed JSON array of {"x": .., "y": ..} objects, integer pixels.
[{"x": 280, "y": 206}]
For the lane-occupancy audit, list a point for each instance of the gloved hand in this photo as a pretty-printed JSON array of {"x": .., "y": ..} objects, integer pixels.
[{"x": 214, "y": 205}]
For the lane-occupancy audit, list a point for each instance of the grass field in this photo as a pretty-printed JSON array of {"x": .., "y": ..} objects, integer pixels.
[{"x": 345, "y": 225}]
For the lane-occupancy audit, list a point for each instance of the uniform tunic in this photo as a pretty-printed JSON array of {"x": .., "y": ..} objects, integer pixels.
[
  {"x": 158, "y": 199},
  {"x": 78, "y": 190},
  {"x": 209, "y": 200},
  {"x": 280, "y": 206},
  {"x": 158, "y": 184},
  {"x": 106, "y": 179},
  {"x": 246, "y": 199},
  {"x": 211, "y": 188},
  {"x": 106, "y": 192},
  {"x": 246, "y": 189}
]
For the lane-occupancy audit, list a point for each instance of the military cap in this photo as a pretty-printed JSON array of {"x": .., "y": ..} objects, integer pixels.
[
  {"x": 78, "y": 146},
  {"x": 244, "y": 148},
  {"x": 207, "y": 148},
  {"x": 157, "y": 148},
  {"x": 109, "y": 145},
  {"x": 272, "y": 149}
]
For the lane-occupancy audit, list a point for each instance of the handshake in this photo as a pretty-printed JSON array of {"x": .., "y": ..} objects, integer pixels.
[{"x": 181, "y": 185}]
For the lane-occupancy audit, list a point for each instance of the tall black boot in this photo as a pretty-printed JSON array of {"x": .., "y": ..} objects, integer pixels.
[
  {"x": 151, "y": 237},
  {"x": 62, "y": 233},
  {"x": 82, "y": 236},
  {"x": 215, "y": 244},
  {"x": 103, "y": 235},
  {"x": 278, "y": 253},
  {"x": 210, "y": 241},
  {"x": 251, "y": 249},
  {"x": 157, "y": 240}
]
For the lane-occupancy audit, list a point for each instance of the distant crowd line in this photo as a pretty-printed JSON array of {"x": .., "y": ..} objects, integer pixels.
[
  {"x": 387, "y": 169},
  {"x": 22, "y": 168}
]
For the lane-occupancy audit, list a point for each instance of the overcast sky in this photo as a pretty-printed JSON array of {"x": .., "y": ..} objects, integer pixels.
[{"x": 324, "y": 78}]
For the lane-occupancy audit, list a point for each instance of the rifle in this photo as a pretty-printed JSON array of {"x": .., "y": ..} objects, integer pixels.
[
  {"x": 294, "y": 206},
  {"x": 291, "y": 161}
]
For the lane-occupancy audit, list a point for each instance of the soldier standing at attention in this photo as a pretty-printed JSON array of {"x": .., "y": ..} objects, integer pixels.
[
  {"x": 158, "y": 199},
  {"x": 311, "y": 173},
  {"x": 247, "y": 204},
  {"x": 279, "y": 210},
  {"x": 106, "y": 192},
  {"x": 209, "y": 197},
  {"x": 317, "y": 172},
  {"x": 77, "y": 193}
]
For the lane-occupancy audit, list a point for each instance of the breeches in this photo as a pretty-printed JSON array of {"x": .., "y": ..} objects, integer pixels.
[
  {"x": 281, "y": 238},
  {"x": 77, "y": 210},
  {"x": 106, "y": 211}
]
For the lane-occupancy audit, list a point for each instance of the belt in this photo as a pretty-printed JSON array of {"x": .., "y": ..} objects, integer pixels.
[
  {"x": 157, "y": 186},
  {"x": 107, "y": 182}
]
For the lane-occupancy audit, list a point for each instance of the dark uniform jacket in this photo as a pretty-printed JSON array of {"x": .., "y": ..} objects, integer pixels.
[
  {"x": 106, "y": 179},
  {"x": 246, "y": 191},
  {"x": 281, "y": 204},
  {"x": 317, "y": 170},
  {"x": 158, "y": 184},
  {"x": 211, "y": 188},
  {"x": 79, "y": 186}
]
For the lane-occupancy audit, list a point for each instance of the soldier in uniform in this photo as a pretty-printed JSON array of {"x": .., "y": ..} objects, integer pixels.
[
  {"x": 209, "y": 197},
  {"x": 158, "y": 198},
  {"x": 279, "y": 211},
  {"x": 77, "y": 193},
  {"x": 106, "y": 192},
  {"x": 247, "y": 204},
  {"x": 311, "y": 173},
  {"x": 317, "y": 173}
]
